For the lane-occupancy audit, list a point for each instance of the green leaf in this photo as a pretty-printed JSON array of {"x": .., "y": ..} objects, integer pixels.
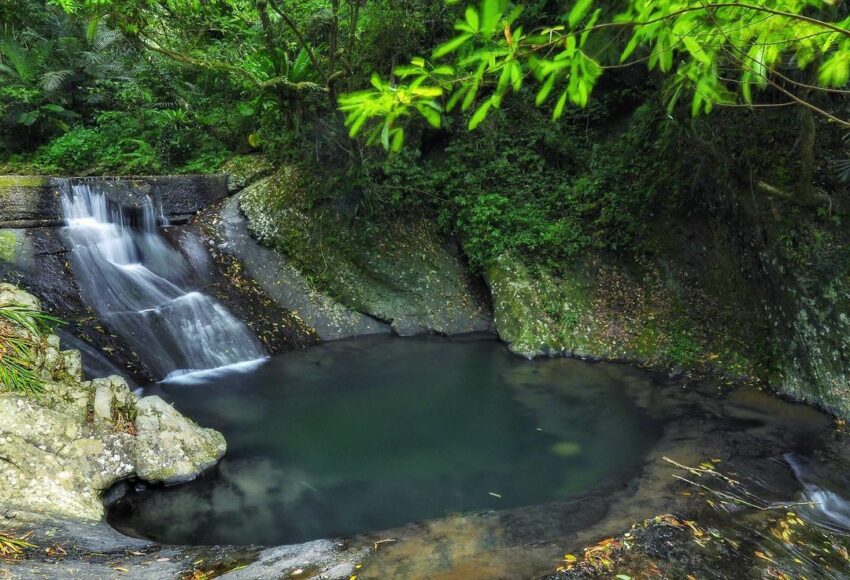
[
  {"x": 432, "y": 116},
  {"x": 696, "y": 50},
  {"x": 28, "y": 118},
  {"x": 543, "y": 94},
  {"x": 398, "y": 140},
  {"x": 91, "y": 29},
  {"x": 404, "y": 70},
  {"x": 578, "y": 11},
  {"x": 418, "y": 61},
  {"x": 630, "y": 47},
  {"x": 357, "y": 124},
  {"x": 385, "y": 135},
  {"x": 451, "y": 46},
  {"x": 835, "y": 72},
  {"x": 696, "y": 104},
  {"x": 472, "y": 18},
  {"x": 54, "y": 108},
  {"x": 516, "y": 76},
  {"x": 515, "y": 13},
  {"x": 426, "y": 91},
  {"x": 456, "y": 96},
  {"x": 559, "y": 106},
  {"x": 491, "y": 12},
  {"x": 480, "y": 114}
]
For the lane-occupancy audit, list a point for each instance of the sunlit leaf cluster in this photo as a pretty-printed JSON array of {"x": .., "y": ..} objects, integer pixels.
[{"x": 714, "y": 53}]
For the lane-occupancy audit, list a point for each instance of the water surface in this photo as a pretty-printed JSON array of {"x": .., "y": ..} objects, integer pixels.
[{"x": 368, "y": 434}]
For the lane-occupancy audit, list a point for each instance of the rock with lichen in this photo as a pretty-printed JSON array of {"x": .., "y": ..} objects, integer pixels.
[{"x": 62, "y": 448}]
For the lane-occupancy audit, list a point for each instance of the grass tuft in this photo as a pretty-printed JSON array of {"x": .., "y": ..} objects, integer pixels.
[{"x": 17, "y": 349}]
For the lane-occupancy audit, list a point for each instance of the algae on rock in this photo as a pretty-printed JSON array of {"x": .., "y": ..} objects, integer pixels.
[{"x": 598, "y": 308}]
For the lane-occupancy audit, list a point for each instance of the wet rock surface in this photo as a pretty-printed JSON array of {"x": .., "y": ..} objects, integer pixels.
[
  {"x": 28, "y": 201},
  {"x": 226, "y": 278},
  {"x": 37, "y": 260},
  {"x": 34, "y": 201},
  {"x": 177, "y": 197},
  {"x": 65, "y": 548}
]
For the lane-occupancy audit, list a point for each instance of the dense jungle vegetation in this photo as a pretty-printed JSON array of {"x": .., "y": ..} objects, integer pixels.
[{"x": 540, "y": 127}]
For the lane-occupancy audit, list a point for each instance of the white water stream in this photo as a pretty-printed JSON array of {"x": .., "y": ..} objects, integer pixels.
[{"x": 141, "y": 286}]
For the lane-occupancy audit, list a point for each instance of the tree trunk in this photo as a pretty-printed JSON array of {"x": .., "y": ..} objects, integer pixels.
[{"x": 808, "y": 139}]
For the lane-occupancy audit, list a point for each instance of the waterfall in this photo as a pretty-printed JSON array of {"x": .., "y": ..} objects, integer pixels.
[{"x": 142, "y": 286}]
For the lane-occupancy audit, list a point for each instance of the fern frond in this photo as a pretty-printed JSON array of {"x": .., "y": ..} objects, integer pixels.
[
  {"x": 53, "y": 80},
  {"x": 22, "y": 61},
  {"x": 300, "y": 68}
]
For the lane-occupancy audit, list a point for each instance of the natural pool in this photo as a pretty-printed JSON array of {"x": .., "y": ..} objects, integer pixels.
[
  {"x": 370, "y": 434},
  {"x": 453, "y": 459}
]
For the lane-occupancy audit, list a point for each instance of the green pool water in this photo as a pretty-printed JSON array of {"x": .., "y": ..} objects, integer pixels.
[{"x": 368, "y": 434}]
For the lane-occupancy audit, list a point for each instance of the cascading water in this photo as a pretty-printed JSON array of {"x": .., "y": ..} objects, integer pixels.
[
  {"x": 139, "y": 284},
  {"x": 823, "y": 506}
]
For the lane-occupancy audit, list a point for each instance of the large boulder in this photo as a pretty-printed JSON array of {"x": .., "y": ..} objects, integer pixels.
[{"x": 62, "y": 448}]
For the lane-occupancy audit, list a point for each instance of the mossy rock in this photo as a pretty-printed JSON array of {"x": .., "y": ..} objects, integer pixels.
[
  {"x": 28, "y": 201},
  {"x": 243, "y": 170},
  {"x": 608, "y": 308},
  {"x": 399, "y": 271}
]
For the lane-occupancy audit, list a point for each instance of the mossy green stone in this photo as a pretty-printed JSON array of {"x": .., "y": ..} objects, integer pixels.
[{"x": 8, "y": 246}]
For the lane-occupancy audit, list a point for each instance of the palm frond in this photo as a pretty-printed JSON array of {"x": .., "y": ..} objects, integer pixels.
[
  {"x": 104, "y": 38},
  {"x": 53, "y": 80}
]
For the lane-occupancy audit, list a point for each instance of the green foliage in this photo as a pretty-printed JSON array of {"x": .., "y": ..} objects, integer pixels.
[
  {"x": 718, "y": 53},
  {"x": 544, "y": 193},
  {"x": 21, "y": 329}
]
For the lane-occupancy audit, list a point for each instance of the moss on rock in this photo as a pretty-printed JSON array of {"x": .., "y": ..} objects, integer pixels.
[
  {"x": 605, "y": 308},
  {"x": 243, "y": 170},
  {"x": 8, "y": 246}
]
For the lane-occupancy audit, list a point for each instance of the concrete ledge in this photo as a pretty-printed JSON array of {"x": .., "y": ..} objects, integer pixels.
[
  {"x": 34, "y": 201},
  {"x": 28, "y": 201}
]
